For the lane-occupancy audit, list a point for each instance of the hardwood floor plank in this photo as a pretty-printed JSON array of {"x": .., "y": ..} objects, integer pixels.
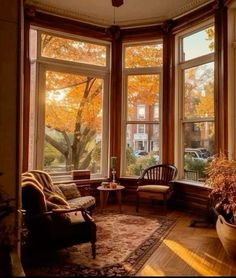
[{"x": 188, "y": 251}]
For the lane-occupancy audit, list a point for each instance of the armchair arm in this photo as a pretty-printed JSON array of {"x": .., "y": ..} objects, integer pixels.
[
  {"x": 85, "y": 214},
  {"x": 66, "y": 210},
  {"x": 170, "y": 184},
  {"x": 139, "y": 180},
  {"x": 34, "y": 216}
]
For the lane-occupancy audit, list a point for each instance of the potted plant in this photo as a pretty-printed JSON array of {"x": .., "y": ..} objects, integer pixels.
[{"x": 221, "y": 177}]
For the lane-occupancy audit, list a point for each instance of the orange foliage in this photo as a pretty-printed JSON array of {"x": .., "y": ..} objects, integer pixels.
[{"x": 66, "y": 106}]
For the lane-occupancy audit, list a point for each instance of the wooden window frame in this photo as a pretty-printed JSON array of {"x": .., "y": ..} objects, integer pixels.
[
  {"x": 181, "y": 66},
  {"x": 138, "y": 71},
  {"x": 44, "y": 64}
]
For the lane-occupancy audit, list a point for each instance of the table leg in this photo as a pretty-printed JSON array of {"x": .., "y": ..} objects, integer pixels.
[
  {"x": 106, "y": 195},
  {"x": 118, "y": 196},
  {"x": 101, "y": 200}
]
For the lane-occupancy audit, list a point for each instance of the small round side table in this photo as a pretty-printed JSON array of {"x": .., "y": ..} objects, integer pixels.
[{"x": 104, "y": 194}]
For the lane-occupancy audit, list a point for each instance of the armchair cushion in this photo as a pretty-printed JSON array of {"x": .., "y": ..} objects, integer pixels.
[
  {"x": 154, "y": 188},
  {"x": 85, "y": 202},
  {"x": 70, "y": 190}
]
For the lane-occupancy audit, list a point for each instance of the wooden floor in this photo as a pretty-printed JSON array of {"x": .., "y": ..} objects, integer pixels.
[{"x": 187, "y": 251}]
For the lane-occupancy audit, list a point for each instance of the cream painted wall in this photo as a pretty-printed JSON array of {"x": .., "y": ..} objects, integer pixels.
[{"x": 10, "y": 91}]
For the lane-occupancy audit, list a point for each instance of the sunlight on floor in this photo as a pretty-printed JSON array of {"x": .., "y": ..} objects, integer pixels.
[
  {"x": 149, "y": 271},
  {"x": 215, "y": 260},
  {"x": 196, "y": 262}
]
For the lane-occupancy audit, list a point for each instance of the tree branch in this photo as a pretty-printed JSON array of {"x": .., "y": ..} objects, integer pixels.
[
  {"x": 56, "y": 145},
  {"x": 70, "y": 86}
]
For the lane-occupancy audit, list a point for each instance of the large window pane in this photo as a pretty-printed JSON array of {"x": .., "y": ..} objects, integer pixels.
[
  {"x": 73, "y": 122},
  {"x": 142, "y": 78},
  {"x": 147, "y": 55},
  {"x": 143, "y": 97},
  {"x": 199, "y": 141},
  {"x": 142, "y": 148},
  {"x": 198, "y": 44},
  {"x": 199, "y": 91},
  {"x": 72, "y": 50}
]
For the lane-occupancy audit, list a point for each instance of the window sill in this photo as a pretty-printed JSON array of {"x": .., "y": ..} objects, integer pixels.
[
  {"x": 193, "y": 183},
  {"x": 129, "y": 178},
  {"x": 59, "y": 178},
  {"x": 179, "y": 181},
  {"x": 81, "y": 181}
]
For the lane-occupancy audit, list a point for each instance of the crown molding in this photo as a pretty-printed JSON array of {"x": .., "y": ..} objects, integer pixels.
[
  {"x": 92, "y": 19},
  {"x": 189, "y": 7}
]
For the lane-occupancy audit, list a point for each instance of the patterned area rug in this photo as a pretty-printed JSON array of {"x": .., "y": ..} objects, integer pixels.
[{"x": 124, "y": 243}]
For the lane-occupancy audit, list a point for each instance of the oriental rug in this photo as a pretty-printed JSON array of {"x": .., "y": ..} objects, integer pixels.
[{"x": 124, "y": 243}]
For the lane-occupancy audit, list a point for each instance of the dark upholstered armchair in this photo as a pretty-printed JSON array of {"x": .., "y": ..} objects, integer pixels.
[
  {"x": 50, "y": 222},
  {"x": 155, "y": 183}
]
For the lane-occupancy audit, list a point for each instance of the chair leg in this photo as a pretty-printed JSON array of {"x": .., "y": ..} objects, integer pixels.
[
  {"x": 137, "y": 202},
  {"x": 93, "y": 250},
  {"x": 165, "y": 204}
]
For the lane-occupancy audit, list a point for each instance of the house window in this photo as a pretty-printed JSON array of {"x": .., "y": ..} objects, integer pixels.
[
  {"x": 68, "y": 128},
  {"x": 140, "y": 112},
  {"x": 140, "y": 128},
  {"x": 142, "y": 78},
  {"x": 156, "y": 111},
  {"x": 196, "y": 101}
]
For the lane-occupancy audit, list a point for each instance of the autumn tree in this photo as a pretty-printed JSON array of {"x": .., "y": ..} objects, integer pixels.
[
  {"x": 199, "y": 95},
  {"x": 143, "y": 88},
  {"x": 73, "y": 113},
  {"x": 73, "y": 101}
]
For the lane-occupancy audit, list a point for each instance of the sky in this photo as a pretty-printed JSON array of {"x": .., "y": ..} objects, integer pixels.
[{"x": 196, "y": 45}]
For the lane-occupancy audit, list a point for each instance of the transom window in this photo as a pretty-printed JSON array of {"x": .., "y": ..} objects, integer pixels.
[
  {"x": 75, "y": 50},
  {"x": 69, "y": 96}
]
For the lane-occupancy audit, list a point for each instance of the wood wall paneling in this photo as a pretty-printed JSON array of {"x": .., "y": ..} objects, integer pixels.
[
  {"x": 186, "y": 196},
  {"x": 66, "y": 25},
  {"x": 190, "y": 19},
  {"x": 221, "y": 97},
  {"x": 191, "y": 197},
  {"x": 168, "y": 97},
  {"x": 116, "y": 98}
]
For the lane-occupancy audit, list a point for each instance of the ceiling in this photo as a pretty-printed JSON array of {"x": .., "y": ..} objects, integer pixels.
[{"x": 131, "y": 13}]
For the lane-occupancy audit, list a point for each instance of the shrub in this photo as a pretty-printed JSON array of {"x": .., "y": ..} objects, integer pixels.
[
  {"x": 141, "y": 164},
  {"x": 221, "y": 177},
  {"x": 198, "y": 166}
]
